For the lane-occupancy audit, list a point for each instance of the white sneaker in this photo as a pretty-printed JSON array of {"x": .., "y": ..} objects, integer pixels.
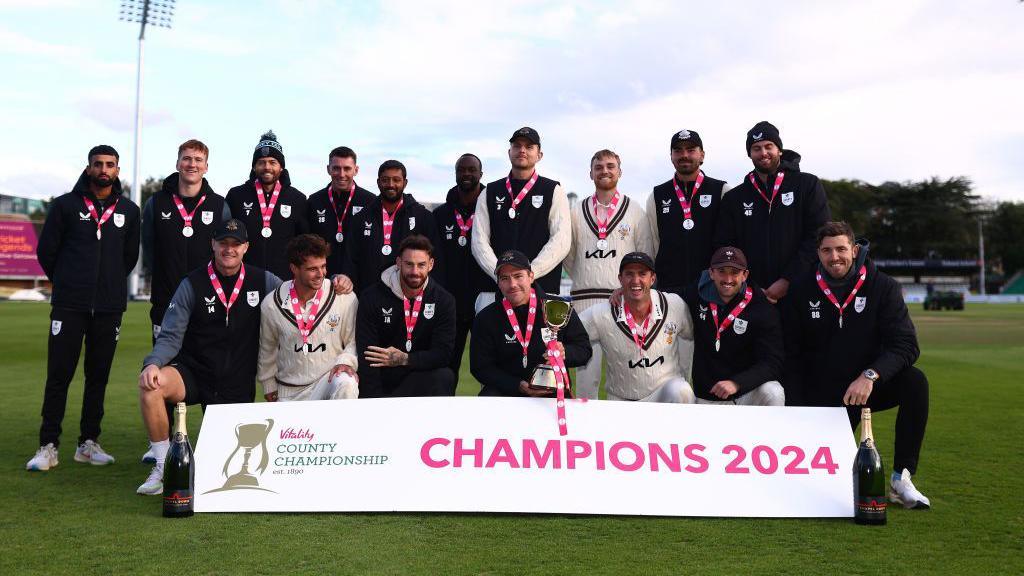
[
  {"x": 154, "y": 484},
  {"x": 904, "y": 492},
  {"x": 149, "y": 457},
  {"x": 45, "y": 458},
  {"x": 91, "y": 452}
]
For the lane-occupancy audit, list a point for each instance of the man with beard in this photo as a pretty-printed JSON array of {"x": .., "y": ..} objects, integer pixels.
[
  {"x": 405, "y": 328},
  {"x": 333, "y": 210},
  {"x": 269, "y": 206},
  {"x": 643, "y": 337},
  {"x": 509, "y": 336},
  {"x": 850, "y": 341},
  {"x": 604, "y": 227},
  {"x": 207, "y": 349},
  {"x": 88, "y": 246},
  {"x": 382, "y": 226},
  {"x": 683, "y": 212},
  {"x": 737, "y": 350},
  {"x": 773, "y": 214},
  {"x": 307, "y": 331},
  {"x": 460, "y": 273},
  {"x": 526, "y": 212}
]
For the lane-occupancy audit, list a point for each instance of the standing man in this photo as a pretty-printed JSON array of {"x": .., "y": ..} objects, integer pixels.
[
  {"x": 88, "y": 246},
  {"x": 850, "y": 341},
  {"x": 308, "y": 331},
  {"x": 605, "y": 227},
  {"x": 526, "y": 212},
  {"x": 773, "y": 214},
  {"x": 380, "y": 228},
  {"x": 333, "y": 210},
  {"x": 643, "y": 337},
  {"x": 207, "y": 349},
  {"x": 683, "y": 213},
  {"x": 178, "y": 223},
  {"x": 268, "y": 205},
  {"x": 406, "y": 328},
  {"x": 737, "y": 350},
  {"x": 509, "y": 338},
  {"x": 460, "y": 274}
]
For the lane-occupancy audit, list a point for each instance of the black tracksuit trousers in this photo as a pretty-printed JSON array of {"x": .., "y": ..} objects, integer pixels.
[{"x": 907, "y": 390}]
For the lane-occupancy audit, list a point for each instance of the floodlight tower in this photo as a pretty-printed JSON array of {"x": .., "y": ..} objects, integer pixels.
[{"x": 155, "y": 13}]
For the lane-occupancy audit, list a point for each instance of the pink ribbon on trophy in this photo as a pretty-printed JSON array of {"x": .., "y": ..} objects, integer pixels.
[{"x": 561, "y": 383}]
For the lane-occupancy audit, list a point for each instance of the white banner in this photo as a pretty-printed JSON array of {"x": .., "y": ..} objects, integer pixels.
[{"x": 505, "y": 455}]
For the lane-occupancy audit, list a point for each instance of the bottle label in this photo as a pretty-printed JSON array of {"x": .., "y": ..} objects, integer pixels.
[
  {"x": 178, "y": 501},
  {"x": 871, "y": 506}
]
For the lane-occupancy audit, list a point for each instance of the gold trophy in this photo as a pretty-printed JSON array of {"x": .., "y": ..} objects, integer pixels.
[
  {"x": 250, "y": 436},
  {"x": 556, "y": 315}
]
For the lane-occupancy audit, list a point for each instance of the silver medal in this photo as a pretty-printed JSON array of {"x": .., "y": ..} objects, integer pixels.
[
  {"x": 99, "y": 234},
  {"x": 462, "y": 240},
  {"x": 385, "y": 249},
  {"x": 512, "y": 213},
  {"x": 339, "y": 237},
  {"x": 688, "y": 224},
  {"x": 187, "y": 231},
  {"x": 524, "y": 361},
  {"x": 840, "y": 321},
  {"x": 266, "y": 232},
  {"x": 718, "y": 345},
  {"x": 408, "y": 345},
  {"x": 602, "y": 244}
]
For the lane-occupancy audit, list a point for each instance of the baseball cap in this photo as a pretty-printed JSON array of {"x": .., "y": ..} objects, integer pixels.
[
  {"x": 233, "y": 228},
  {"x": 512, "y": 258},
  {"x": 528, "y": 133},
  {"x": 729, "y": 256},
  {"x": 636, "y": 258},
  {"x": 687, "y": 136}
]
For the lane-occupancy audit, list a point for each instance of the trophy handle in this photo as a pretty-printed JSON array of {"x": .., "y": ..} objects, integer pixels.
[{"x": 263, "y": 444}]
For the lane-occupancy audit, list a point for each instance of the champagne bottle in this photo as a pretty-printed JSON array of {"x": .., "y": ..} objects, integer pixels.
[
  {"x": 179, "y": 471},
  {"x": 869, "y": 499}
]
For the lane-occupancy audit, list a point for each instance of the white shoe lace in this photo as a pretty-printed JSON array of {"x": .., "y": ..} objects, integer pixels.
[
  {"x": 156, "y": 474},
  {"x": 92, "y": 448}
]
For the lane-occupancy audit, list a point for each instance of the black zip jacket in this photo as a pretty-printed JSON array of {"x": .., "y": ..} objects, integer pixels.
[
  {"x": 287, "y": 221},
  {"x": 323, "y": 221},
  {"x": 459, "y": 273},
  {"x": 87, "y": 273},
  {"x": 683, "y": 254}
]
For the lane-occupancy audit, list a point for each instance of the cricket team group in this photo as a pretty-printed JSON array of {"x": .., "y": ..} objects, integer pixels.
[{"x": 746, "y": 295}]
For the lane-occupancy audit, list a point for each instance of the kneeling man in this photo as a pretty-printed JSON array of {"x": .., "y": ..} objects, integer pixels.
[
  {"x": 737, "y": 351},
  {"x": 307, "y": 331},
  {"x": 642, "y": 337}
]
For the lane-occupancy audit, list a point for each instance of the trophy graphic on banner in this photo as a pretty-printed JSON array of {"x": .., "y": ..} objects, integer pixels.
[
  {"x": 557, "y": 311},
  {"x": 250, "y": 437}
]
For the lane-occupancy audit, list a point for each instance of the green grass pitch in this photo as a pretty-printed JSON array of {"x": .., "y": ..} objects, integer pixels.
[{"x": 88, "y": 520}]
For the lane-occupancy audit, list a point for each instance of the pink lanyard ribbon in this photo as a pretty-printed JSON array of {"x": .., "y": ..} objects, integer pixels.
[
  {"x": 96, "y": 216},
  {"x": 411, "y": 316},
  {"x": 388, "y": 224},
  {"x": 863, "y": 272},
  {"x": 464, "y": 227},
  {"x": 602, "y": 225},
  {"x": 775, "y": 188},
  {"x": 304, "y": 322},
  {"x": 747, "y": 296},
  {"x": 340, "y": 217},
  {"x": 530, "y": 317},
  {"x": 267, "y": 210},
  {"x": 187, "y": 216},
  {"x": 227, "y": 302},
  {"x": 634, "y": 330},
  {"x": 561, "y": 383},
  {"x": 687, "y": 203},
  {"x": 522, "y": 194}
]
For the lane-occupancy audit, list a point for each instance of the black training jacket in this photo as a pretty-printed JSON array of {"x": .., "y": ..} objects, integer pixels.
[
  {"x": 287, "y": 221},
  {"x": 323, "y": 221},
  {"x": 683, "y": 254},
  {"x": 459, "y": 273}
]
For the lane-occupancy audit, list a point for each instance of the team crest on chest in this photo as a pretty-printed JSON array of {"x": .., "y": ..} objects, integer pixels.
[
  {"x": 859, "y": 303},
  {"x": 537, "y": 200},
  {"x": 247, "y": 206},
  {"x": 119, "y": 220},
  {"x": 332, "y": 321},
  {"x": 252, "y": 297},
  {"x": 55, "y": 327},
  {"x": 286, "y": 211},
  {"x": 787, "y": 198},
  {"x": 356, "y": 210},
  {"x": 748, "y": 209},
  {"x": 670, "y": 331},
  {"x": 412, "y": 222},
  {"x": 739, "y": 325},
  {"x": 428, "y": 311},
  {"x": 206, "y": 216},
  {"x": 705, "y": 200},
  {"x": 623, "y": 231}
]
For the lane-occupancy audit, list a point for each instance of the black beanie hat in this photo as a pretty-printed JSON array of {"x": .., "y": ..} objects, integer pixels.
[
  {"x": 763, "y": 131},
  {"x": 268, "y": 146}
]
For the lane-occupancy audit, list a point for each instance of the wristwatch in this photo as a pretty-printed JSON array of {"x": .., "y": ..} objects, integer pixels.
[{"x": 870, "y": 375}]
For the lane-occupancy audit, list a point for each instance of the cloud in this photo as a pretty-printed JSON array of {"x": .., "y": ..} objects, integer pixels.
[{"x": 118, "y": 114}]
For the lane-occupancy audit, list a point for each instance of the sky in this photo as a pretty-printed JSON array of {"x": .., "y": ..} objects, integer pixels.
[{"x": 874, "y": 90}]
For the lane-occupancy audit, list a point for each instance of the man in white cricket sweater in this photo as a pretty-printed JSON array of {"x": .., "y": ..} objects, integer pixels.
[
  {"x": 643, "y": 337},
  {"x": 307, "y": 331},
  {"x": 604, "y": 228}
]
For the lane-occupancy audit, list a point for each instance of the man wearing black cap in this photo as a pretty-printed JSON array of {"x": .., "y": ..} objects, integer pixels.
[
  {"x": 644, "y": 338},
  {"x": 773, "y": 214},
  {"x": 88, "y": 246},
  {"x": 270, "y": 207},
  {"x": 683, "y": 213},
  {"x": 509, "y": 338},
  {"x": 524, "y": 211},
  {"x": 333, "y": 210},
  {"x": 382, "y": 225},
  {"x": 737, "y": 350},
  {"x": 459, "y": 272},
  {"x": 208, "y": 346}
]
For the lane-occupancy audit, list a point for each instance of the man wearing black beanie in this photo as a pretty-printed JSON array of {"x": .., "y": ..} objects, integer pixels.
[
  {"x": 270, "y": 207},
  {"x": 773, "y": 214}
]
